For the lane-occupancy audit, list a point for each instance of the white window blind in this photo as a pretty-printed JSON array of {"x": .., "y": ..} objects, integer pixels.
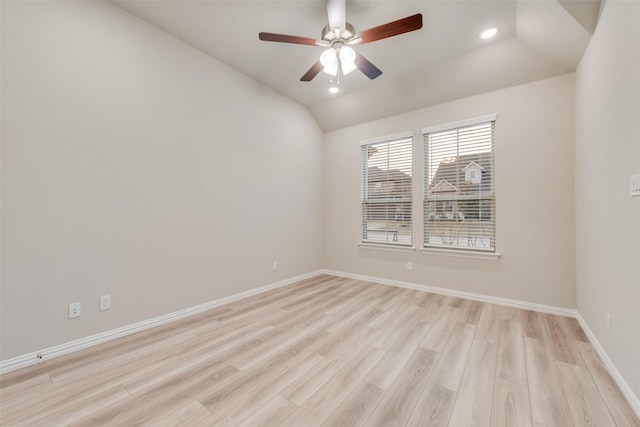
[
  {"x": 459, "y": 187},
  {"x": 386, "y": 191}
]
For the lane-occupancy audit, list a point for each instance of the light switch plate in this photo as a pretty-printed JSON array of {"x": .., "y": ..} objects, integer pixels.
[{"x": 635, "y": 185}]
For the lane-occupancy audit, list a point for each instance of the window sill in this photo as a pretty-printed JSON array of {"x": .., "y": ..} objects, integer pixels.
[
  {"x": 393, "y": 248},
  {"x": 461, "y": 253}
]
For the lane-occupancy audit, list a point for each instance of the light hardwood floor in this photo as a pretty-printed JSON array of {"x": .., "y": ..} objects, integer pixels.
[{"x": 330, "y": 351}]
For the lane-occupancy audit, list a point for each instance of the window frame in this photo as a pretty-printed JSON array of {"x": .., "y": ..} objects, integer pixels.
[
  {"x": 451, "y": 249},
  {"x": 366, "y": 201}
]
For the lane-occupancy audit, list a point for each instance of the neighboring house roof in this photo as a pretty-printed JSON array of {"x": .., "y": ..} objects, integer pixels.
[
  {"x": 399, "y": 183},
  {"x": 377, "y": 174},
  {"x": 453, "y": 172},
  {"x": 472, "y": 163},
  {"x": 443, "y": 186}
]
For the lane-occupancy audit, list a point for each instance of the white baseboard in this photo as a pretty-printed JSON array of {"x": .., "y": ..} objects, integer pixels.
[
  {"x": 613, "y": 371},
  {"x": 66, "y": 348},
  {"x": 560, "y": 311}
]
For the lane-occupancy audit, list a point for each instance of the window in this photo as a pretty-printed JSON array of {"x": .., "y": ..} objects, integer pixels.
[
  {"x": 459, "y": 185},
  {"x": 386, "y": 190}
]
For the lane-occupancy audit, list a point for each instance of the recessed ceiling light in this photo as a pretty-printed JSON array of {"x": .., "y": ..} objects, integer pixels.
[
  {"x": 334, "y": 89},
  {"x": 488, "y": 33}
]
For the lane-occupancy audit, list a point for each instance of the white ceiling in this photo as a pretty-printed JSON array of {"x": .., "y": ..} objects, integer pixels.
[{"x": 445, "y": 60}]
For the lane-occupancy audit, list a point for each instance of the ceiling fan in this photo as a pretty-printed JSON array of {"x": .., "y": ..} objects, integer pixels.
[{"x": 339, "y": 35}]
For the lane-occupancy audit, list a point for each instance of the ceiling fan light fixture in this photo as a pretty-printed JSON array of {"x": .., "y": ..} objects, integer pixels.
[
  {"x": 329, "y": 61},
  {"x": 339, "y": 33},
  {"x": 334, "y": 89},
  {"x": 489, "y": 33},
  {"x": 347, "y": 59}
]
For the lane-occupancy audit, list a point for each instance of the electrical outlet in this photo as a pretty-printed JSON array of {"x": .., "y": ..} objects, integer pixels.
[
  {"x": 274, "y": 266},
  {"x": 608, "y": 323},
  {"x": 75, "y": 309},
  {"x": 409, "y": 265},
  {"x": 105, "y": 302},
  {"x": 635, "y": 185}
]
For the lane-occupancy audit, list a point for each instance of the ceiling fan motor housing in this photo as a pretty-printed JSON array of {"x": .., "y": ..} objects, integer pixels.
[{"x": 338, "y": 34}]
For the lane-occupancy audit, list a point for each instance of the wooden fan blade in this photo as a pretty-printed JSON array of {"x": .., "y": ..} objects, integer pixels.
[
  {"x": 283, "y": 38},
  {"x": 313, "y": 71},
  {"x": 367, "y": 67},
  {"x": 390, "y": 29}
]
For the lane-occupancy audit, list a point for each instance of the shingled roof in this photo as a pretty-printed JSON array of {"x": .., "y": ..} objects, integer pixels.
[
  {"x": 399, "y": 182},
  {"x": 453, "y": 172}
]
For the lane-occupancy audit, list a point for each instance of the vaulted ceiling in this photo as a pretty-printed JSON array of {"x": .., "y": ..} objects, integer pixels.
[{"x": 445, "y": 60}]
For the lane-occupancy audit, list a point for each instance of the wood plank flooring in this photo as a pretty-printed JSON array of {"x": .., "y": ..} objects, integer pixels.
[{"x": 330, "y": 351}]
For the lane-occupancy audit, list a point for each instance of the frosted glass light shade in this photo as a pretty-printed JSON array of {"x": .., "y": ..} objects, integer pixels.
[
  {"x": 347, "y": 59},
  {"x": 329, "y": 61}
]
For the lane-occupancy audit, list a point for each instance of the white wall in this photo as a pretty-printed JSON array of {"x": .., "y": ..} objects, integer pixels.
[
  {"x": 607, "y": 153},
  {"x": 136, "y": 166},
  {"x": 534, "y": 197}
]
